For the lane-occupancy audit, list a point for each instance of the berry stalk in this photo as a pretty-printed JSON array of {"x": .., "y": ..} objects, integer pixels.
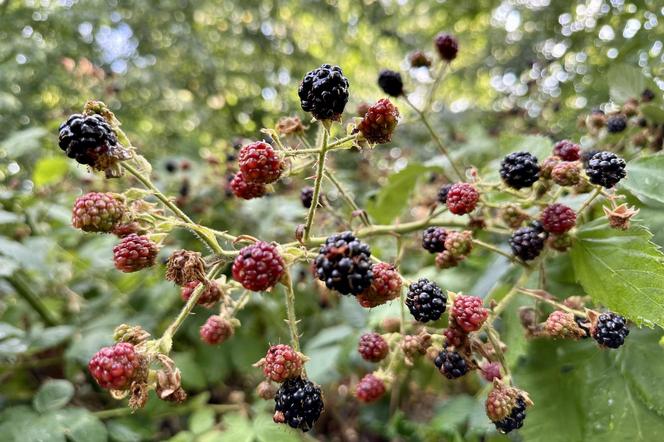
[
  {"x": 290, "y": 311},
  {"x": 319, "y": 179}
]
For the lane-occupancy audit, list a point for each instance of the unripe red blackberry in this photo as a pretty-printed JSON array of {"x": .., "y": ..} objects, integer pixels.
[
  {"x": 447, "y": 46},
  {"x": 433, "y": 239},
  {"x": 609, "y": 330},
  {"x": 425, "y": 300},
  {"x": 390, "y": 82},
  {"x": 97, "y": 212},
  {"x": 491, "y": 371},
  {"x": 216, "y": 330},
  {"x": 116, "y": 367},
  {"x": 134, "y": 252},
  {"x": 527, "y": 243},
  {"x": 462, "y": 198},
  {"x": 419, "y": 59},
  {"x": 370, "y": 388},
  {"x": 519, "y": 170},
  {"x": 455, "y": 336},
  {"x": 558, "y": 218},
  {"x": 362, "y": 109},
  {"x": 567, "y": 151},
  {"x": 210, "y": 296},
  {"x": 259, "y": 163},
  {"x": 258, "y": 266},
  {"x": 324, "y": 92},
  {"x": 445, "y": 260},
  {"x": 344, "y": 264},
  {"x": 451, "y": 364},
  {"x": 385, "y": 286},
  {"x": 563, "y": 325},
  {"x": 281, "y": 362},
  {"x": 546, "y": 168},
  {"x": 566, "y": 173},
  {"x": 298, "y": 403},
  {"x": 379, "y": 122},
  {"x": 245, "y": 189},
  {"x": 606, "y": 169},
  {"x": 469, "y": 312},
  {"x": 373, "y": 347},
  {"x": 459, "y": 244}
]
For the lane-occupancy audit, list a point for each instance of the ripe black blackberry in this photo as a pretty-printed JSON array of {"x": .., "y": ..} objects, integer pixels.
[
  {"x": 344, "y": 264},
  {"x": 443, "y": 191},
  {"x": 515, "y": 419},
  {"x": 451, "y": 364},
  {"x": 606, "y": 169},
  {"x": 610, "y": 330},
  {"x": 519, "y": 169},
  {"x": 307, "y": 196},
  {"x": 447, "y": 46},
  {"x": 298, "y": 403},
  {"x": 324, "y": 92},
  {"x": 90, "y": 140},
  {"x": 433, "y": 239},
  {"x": 527, "y": 242},
  {"x": 390, "y": 82},
  {"x": 425, "y": 300},
  {"x": 616, "y": 124},
  {"x": 587, "y": 154}
]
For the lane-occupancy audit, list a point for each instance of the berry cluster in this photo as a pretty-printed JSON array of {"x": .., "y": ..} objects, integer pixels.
[{"x": 343, "y": 264}]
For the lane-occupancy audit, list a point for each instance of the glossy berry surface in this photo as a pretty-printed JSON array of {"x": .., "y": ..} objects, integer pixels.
[
  {"x": 462, "y": 198},
  {"x": 425, "y": 300},
  {"x": 567, "y": 151},
  {"x": 527, "y": 242},
  {"x": 451, "y": 364},
  {"x": 610, "y": 330},
  {"x": 259, "y": 163},
  {"x": 469, "y": 312},
  {"x": 369, "y": 389},
  {"x": 258, "y": 266},
  {"x": 379, "y": 122},
  {"x": 606, "y": 169},
  {"x": 390, "y": 82},
  {"x": 385, "y": 286},
  {"x": 324, "y": 92},
  {"x": 244, "y": 189},
  {"x": 519, "y": 170},
  {"x": 373, "y": 347},
  {"x": 433, "y": 239},
  {"x": 134, "y": 252},
  {"x": 115, "y": 367},
  {"x": 298, "y": 403},
  {"x": 558, "y": 218},
  {"x": 343, "y": 264}
]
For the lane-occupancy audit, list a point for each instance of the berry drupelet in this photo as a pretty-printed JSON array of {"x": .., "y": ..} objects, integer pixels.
[
  {"x": 606, "y": 169},
  {"x": 451, "y": 364},
  {"x": 246, "y": 189},
  {"x": 373, "y": 347},
  {"x": 116, "y": 367},
  {"x": 281, "y": 363},
  {"x": 259, "y": 163},
  {"x": 324, "y": 92},
  {"x": 462, "y": 198},
  {"x": 519, "y": 170},
  {"x": 469, "y": 312},
  {"x": 370, "y": 388},
  {"x": 425, "y": 300},
  {"x": 390, "y": 82},
  {"x": 344, "y": 264},
  {"x": 379, "y": 122},
  {"x": 258, "y": 266},
  {"x": 558, "y": 218},
  {"x": 134, "y": 252},
  {"x": 610, "y": 330},
  {"x": 567, "y": 151},
  {"x": 385, "y": 286},
  {"x": 433, "y": 239},
  {"x": 298, "y": 403},
  {"x": 527, "y": 242},
  {"x": 97, "y": 212}
]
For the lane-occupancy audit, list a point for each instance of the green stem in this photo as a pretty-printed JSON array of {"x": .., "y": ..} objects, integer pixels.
[
  {"x": 319, "y": 179},
  {"x": 595, "y": 194},
  {"x": 336, "y": 143},
  {"x": 437, "y": 140},
  {"x": 290, "y": 312},
  {"x": 495, "y": 249},
  {"x": 25, "y": 291},
  {"x": 434, "y": 86},
  {"x": 551, "y": 302},
  {"x": 349, "y": 200},
  {"x": 502, "y": 305}
]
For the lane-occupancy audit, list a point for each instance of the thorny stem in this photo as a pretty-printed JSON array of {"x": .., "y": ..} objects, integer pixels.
[
  {"x": 346, "y": 196},
  {"x": 434, "y": 86},
  {"x": 437, "y": 139},
  {"x": 25, "y": 292},
  {"x": 290, "y": 312},
  {"x": 502, "y": 305},
  {"x": 595, "y": 194},
  {"x": 556, "y": 304},
  {"x": 319, "y": 179},
  {"x": 492, "y": 335},
  {"x": 498, "y": 251}
]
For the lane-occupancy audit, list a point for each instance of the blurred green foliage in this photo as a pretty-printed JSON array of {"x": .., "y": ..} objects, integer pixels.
[{"x": 190, "y": 78}]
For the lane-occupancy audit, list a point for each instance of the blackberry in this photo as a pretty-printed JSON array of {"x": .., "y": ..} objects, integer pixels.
[
  {"x": 566, "y": 150},
  {"x": 379, "y": 122},
  {"x": 90, "y": 140},
  {"x": 344, "y": 265},
  {"x": 558, "y": 218},
  {"x": 281, "y": 363},
  {"x": 606, "y": 169},
  {"x": 419, "y": 59},
  {"x": 210, "y": 296},
  {"x": 216, "y": 330},
  {"x": 610, "y": 330},
  {"x": 519, "y": 170},
  {"x": 560, "y": 324},
  {"x": 298, "y": 403},
  {"x": 425, "y": 300},
  {"x": 515, "y": 419},
  {"x": 307, "y": 196},
  {"x": 616, "y": 124},
  {"x": 527, "y": 242},
  {"x": 491, "y": 371},
  {"x": 324, "y": 92},
  {"x": 135, "y": 252},
  {"x": 462, "y": 198},
  {"x": 587, "y": 154},
  {"x": 566, "y": 173},
  {"x": 447, "y": 46},
  {"x": 390, "y": 82},
  {"x": 97, "y": 212},
  {"x": 259, "y": 163},
  {"x": 451, "y": 364},
  {"x": 442, "y": 193},
  {"x": 433, "y": 239},
  {"x": 385, "y": 286},
  {"x": 370, "y": 388},
  {"x": 246, "y": 189},
  {"x": 647, "y": 95},
  {"x": 116, "y": 367},
  {"x": 373, "y": 347},
  {"x": 258, "y": 266},
  {"x": 469, "y": 313}
]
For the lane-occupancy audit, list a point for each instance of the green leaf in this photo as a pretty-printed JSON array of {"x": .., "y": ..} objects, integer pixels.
[
  {"x": 453, "y": 414},
  {"x": 537, "y": 145},
  {"x": 622, "y": 270},
  {"x": 237, "y": 428},
  {"x": 393, "y": 197},
  {"x": 23, "y": 141},
  {"x": 267, "y": 431},
  {"x": 201, "y": 420},
  {"x": 653, "y": 112},
  {"x": 79, "y": 425},
  {"x": 50, "y": 170},
  {"x": 645, "y": 179},
  {"x": 53, "y": 395},
  {"x": 192, "y": 374},
  {"x": 625, "y": 82}
]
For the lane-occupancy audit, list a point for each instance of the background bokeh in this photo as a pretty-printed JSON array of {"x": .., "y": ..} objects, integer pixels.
[{"x": 190, "y": 80}]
